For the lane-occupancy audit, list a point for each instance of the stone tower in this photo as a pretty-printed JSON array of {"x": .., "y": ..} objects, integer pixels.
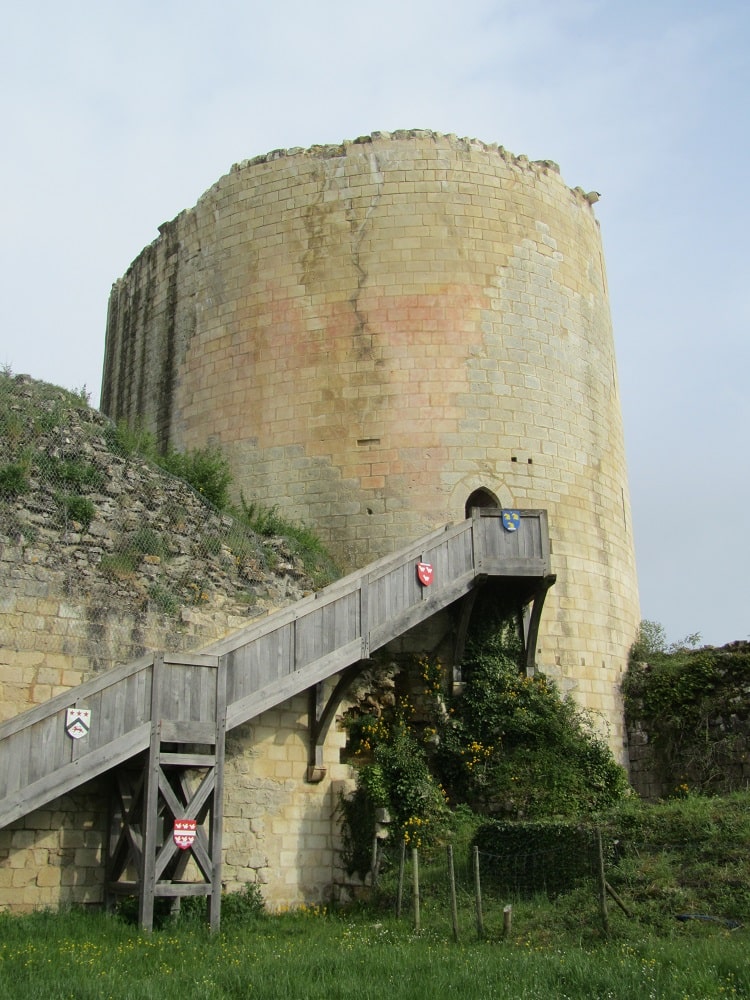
[{"x": 380, "y": 335}]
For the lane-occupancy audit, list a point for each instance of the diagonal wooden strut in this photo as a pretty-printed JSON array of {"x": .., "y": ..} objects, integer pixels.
[{"x": 320, "y": 716}]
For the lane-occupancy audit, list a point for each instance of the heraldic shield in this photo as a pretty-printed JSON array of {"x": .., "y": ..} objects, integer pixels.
[
  {"x": 424, "y": 572},
  {"x": 184, "y": 833},
  {"x": 511, "y": 520},
  {"x": 77, "y": 722}
]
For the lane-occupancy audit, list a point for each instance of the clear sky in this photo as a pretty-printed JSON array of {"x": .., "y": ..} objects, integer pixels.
[{"x": 115, "y": 117}]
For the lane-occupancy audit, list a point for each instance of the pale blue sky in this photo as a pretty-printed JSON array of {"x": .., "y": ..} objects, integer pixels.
[{"x": 117, "y": 117}]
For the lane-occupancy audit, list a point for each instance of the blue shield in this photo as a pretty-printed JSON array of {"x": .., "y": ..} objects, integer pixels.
[{"x": 511, "y": 520}]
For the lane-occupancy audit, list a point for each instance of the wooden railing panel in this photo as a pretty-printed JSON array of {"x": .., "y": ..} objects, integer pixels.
[
  {"x": 391, "y": 593},
  {"x": 15, "y": 759},
  {"x": 189, "y": 692},
  {"x": 118, "y": 709},
  {"x": 137, "y": 694},
  {"x": 315, "y": 635},
  {"x": 524, "y": 552},
  {"x": 49, "y": 743},
  {"x": 268, "y": 658}
]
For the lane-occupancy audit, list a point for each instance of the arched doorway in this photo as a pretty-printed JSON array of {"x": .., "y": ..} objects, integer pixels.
[{"x": 481, "y": 498}]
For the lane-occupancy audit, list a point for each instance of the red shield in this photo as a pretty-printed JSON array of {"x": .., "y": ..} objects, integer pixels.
[
  {"x": 184, "y": 832},
  {"x": 424, "y": 572}
]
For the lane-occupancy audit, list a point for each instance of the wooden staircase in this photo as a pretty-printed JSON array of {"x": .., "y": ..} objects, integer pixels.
[{"x": 171, "y": 711}]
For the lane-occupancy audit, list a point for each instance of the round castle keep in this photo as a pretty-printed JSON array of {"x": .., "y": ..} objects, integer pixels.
[{"x": 383, "y": 333}]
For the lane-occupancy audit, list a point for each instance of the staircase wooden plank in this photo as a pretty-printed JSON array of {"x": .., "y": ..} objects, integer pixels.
[
  {"x": 61, "y": 701},
  {"x": 299, "y": 680},
  {"x": 64, "y": 779},
  {"x": 267, "y": 662}
]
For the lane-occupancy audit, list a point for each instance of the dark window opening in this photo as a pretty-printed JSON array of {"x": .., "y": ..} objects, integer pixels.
[{"x": 481, "y": 498}]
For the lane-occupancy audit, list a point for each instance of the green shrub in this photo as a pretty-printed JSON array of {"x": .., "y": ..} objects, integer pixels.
[
  {"x": 119, "y": 565},
  {"x": 302, "y": 541},
  {"x": 206, "y": 469},
  {"x": 125, "y": 440},
  {"x": 512, "y": 745},
  {"x": 76, "y": 508},
  {"x": 145, "y": 541},
  {"x": 247, "y": 904},
  {"x": 358, "y": 817},
  {"x": 393, "y": 774},
  {"x": 75, "y": 473},
  {"x": 14, "y": 479},
  {"x": 163, "y": 598},
  {"x": 262, "y": 520}
]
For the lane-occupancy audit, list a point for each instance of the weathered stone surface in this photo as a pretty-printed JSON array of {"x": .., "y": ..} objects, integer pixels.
[{"x": 376, "y": 329}]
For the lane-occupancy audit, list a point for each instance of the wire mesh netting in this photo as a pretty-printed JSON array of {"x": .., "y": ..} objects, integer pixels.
[{"x": 80, "y": 497}]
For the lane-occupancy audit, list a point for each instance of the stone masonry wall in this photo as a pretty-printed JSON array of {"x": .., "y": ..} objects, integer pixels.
[{"x": 372, "y": 332}]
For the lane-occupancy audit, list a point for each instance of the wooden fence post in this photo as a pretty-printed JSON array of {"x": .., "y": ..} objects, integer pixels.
[
  {"x": 401, "y": 866},
  {"x": 478, "y": 895},
  {"x": 602, "y": 883},
  {"x": 452, "y": 883},
  {"x": 507, "y": 920},
  {"x": 415, "y": 887}
]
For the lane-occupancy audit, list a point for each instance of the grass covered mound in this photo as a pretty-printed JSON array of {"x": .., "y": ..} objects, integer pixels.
[{"x": 688, "y": 856}]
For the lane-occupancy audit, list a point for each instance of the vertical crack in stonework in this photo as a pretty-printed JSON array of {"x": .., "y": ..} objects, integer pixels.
[
  {"x": 165, "y": 405},
  {"x": 362, "y": 337}
]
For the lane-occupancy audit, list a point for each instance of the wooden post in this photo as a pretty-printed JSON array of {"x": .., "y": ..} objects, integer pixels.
[
  {"x": 217, "y": 811},
  {"x": 150, "y": 803},
  {"x": 478, "y": 895},
  {"x": 452, "y": 882},
  {"x": 415, "y": 886},
  {"x": 374, "y": 861},
  {"x": 617, "y": 898},
  {"x": 602, "y": 883},
  {"x": 401, "y": 866},
  {"x": 507, "y": 920}
]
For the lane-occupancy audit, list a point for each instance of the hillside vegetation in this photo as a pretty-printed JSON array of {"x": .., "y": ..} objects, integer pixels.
[
  {"x": 693, "y": 705},
  {"x": 96, "y": 502}
]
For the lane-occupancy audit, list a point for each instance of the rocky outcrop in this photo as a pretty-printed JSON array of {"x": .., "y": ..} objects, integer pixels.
[{"x": 104, "y": 556}]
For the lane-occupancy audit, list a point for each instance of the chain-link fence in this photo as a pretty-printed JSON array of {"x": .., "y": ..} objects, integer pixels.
[{"x": 591, "y": 881}]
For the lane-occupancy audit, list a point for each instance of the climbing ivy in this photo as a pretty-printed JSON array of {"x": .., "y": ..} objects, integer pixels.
[
  {"x": 507, "y": 745},
  {"x": 694, "y": 705}
]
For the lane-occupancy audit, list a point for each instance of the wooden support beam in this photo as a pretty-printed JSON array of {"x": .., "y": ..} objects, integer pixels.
[{"x": 320, "y": 716}]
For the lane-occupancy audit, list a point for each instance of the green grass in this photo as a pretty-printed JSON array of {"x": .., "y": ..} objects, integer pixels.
[
  {"x": 683, "y": 856},
  {"x": 325, "y": 957}
]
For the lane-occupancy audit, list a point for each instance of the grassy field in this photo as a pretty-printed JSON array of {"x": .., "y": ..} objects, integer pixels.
[
  {"x": 316, "y": 956},
  {"x": 682, "y": 857}
]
